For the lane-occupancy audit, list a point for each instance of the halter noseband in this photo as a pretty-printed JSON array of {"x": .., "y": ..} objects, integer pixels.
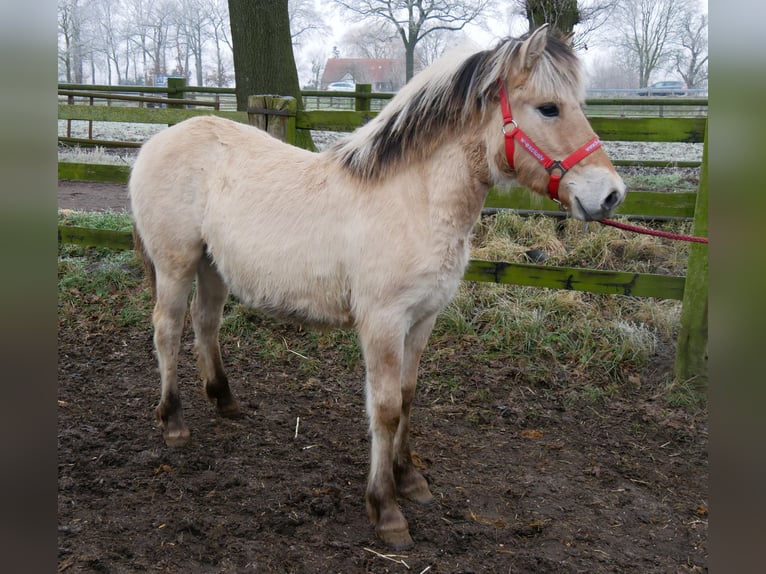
[{"x": 555, "y": 168}]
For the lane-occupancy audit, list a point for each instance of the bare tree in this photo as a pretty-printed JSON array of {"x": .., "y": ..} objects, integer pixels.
[
  {"x": 647, "y": 31},
  {"x": 218, "y": 11},
  {"x": 610, "y": 72},
  {"x": 560, "y": 14},
  {"x": 194, "y": 25},
  {"x": 158, "y": 24},
  {"x": 305, "y": 21},
  {"x": 594, "y": 14},
  {"x": 691, "y": 57},
  {"x": 580, "y": 18},
  {"x": 433, "y": 46},
  {"x": 136, "y": 40},
  {"x": 109, "y": 36},
  {"x": 373, "y": 39},
  {"x": 317, "y": 58},
  {"x": 138, "y": 34},
  {"x": 70, "y": 32},
  {"x": 416, "y": 19},
  {"x": 380, "y": 40}
]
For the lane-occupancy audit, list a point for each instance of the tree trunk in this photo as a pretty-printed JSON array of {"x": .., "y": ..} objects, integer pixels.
[
  {"x": 409, "y": 61},
  {"x": 263, "y": 54},
  {"x": 560, "y": 14}
]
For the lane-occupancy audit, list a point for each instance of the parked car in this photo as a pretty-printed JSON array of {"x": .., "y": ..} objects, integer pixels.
[
  {"x": 343, "y": 86},
  {"x": 666, "y": 88}
]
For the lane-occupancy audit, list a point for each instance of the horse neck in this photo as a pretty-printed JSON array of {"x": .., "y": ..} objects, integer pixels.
[{"x": 458, "y": 182}]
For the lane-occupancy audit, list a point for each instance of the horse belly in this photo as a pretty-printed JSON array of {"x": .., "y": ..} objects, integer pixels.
[
  {"x": 317, "y": 309},
  {"x": 288, "y": 285}
]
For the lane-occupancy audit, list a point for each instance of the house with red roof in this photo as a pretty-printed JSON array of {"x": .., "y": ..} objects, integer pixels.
[{"x": 385, "y": 75}]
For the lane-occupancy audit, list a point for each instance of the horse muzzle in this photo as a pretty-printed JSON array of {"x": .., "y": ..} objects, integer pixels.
[{"x": 593, "y": 193}]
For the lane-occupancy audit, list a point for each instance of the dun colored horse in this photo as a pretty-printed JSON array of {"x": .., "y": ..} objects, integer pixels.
[{"x": 372, "y": 233}]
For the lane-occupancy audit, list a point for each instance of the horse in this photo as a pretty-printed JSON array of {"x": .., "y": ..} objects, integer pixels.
[{"x": 372, "y": 233}]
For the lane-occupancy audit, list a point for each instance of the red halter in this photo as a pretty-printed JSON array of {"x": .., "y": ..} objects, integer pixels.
[{"x": 551, "y": 165}]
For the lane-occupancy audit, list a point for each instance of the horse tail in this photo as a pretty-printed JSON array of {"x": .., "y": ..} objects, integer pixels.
[{"x": 149, "y": 269}]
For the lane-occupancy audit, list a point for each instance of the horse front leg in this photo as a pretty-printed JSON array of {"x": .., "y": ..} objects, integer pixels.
[
  {"x": 383, "y": 353},
  {"x": 168, "y": 319},
  {"x": 409, "y": 481}
]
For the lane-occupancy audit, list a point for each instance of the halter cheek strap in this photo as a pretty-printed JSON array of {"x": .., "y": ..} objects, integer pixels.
[{"x": 556, "y": 169}]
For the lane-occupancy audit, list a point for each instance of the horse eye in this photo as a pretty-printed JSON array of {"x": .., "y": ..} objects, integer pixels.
[{"x": 549, "y": 110}]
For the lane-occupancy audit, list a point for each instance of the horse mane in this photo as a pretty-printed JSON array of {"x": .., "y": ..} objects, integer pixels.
[{"x": 448, "y": 96}]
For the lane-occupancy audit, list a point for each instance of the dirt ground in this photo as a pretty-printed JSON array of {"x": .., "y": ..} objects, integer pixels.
[
  {"x": 92, "y": 195},
  {"x": 525, "y": 479}
]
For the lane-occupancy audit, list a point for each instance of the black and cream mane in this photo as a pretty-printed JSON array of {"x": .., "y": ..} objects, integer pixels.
[{"x": 449, "y": 96}]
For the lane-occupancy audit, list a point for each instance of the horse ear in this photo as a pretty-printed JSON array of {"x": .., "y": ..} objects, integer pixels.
[{"x": 533, "y": 46}]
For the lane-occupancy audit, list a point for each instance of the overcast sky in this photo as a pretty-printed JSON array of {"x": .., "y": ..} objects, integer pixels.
[{"x": 483, "y": 38}]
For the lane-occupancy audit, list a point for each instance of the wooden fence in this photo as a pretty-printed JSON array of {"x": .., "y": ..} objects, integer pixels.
[{"x": 280, "y": 117}]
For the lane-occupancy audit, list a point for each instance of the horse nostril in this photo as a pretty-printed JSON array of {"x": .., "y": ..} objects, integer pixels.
[{"x": 612, "y": 200}]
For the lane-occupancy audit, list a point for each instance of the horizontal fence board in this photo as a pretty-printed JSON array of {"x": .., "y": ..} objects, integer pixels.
[
  {"x": 687, "y": 130},
  {"x": 98, "y": 143},
  {"x": 332, "y": 120},
  {"x": 574, "y": 279},
  {"x": 591, "y": 280},
  {"x": 654, "y": 163},
  {"x": 94, "y": 172},
  {"x": 643, "y": 203},
  {"x": 660, "y": 204},
  {"x": 139, "y": 115},
  {"x": 90, "y": 237}
]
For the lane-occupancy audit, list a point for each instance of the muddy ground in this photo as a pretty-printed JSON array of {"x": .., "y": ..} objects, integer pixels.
[{"x": 526, "y": 478}]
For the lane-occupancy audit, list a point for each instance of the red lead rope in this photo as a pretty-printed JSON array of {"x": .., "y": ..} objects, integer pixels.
[{"x": 654, "y": 232}]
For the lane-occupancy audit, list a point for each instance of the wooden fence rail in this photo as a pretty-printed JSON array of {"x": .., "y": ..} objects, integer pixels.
[{"x": 691, "y": 356}]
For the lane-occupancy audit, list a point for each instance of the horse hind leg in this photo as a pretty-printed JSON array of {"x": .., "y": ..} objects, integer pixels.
[
  {"x": 206, "y": 309},
  {"x": 168, "y": 318}
]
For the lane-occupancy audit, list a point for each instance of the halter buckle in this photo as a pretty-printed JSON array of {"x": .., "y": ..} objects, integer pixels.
[
  {"x": 506, "y": 124},
  {"x": 556, "y": 165}
]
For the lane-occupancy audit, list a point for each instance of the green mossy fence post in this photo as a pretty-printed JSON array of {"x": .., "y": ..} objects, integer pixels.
[
  {"x": 275, "y": 115},
  {"x": 176, "y": 90},
  {"x": 362, "y": 104},
  {"x": 691, "y": 353}
]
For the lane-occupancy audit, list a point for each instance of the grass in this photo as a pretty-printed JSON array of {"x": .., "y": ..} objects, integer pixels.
[
  {"x": 660, "y": 182},
  {"x": 507, "y": 236},
  {"x": 96, "y": 155},
  {"x": 104, "y": 285},
  {"x": 116, "y": 220},
  {"x": 582, "y": 345}
]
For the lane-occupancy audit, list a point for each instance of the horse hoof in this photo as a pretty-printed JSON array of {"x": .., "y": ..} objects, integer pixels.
[
  {"x": 396, "y": 540},
  {"x": 177, "y": 437},
  {"x": 392, "y": 529},
  {"x": 228, "y": 409},
  {"x": 415, "y": 488},
  {"x": 419, "y": 496}
]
